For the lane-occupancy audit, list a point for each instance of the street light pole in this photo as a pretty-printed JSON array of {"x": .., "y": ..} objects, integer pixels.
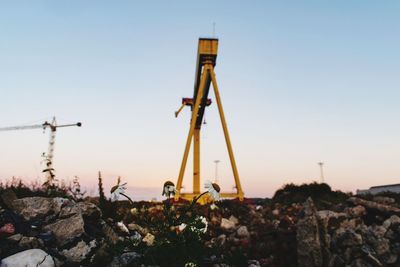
[
  {"x": 216, "y": 170},
  {"x": 321, "y": 167}
]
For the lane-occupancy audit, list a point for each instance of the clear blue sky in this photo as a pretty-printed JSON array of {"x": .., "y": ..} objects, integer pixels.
[{"x": 301, "y": 82}]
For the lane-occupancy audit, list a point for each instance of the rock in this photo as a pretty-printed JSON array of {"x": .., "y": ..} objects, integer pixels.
[
  {"x": 89, "y": 211},
  {"x": 227, "y": 224},
  {"x": 15, "y": 238},
  {"x": 381, "y": 246},
  {"x": 330, "y": 219},
  {"x": 253, "y": 263},
  {"x": 110, "y": 234},
  {"x": 374, "y": 205},
  {"x": 8, "y": 196},
  {"x": 377, "y": 230},
  {"x": 79, "y": 252},
  {"x": 135, "y": 238},
  {"x": 347, "y": 238},
  {"x": 125, "y": 259},
  {"x": 233, "y": 219},
  {"x": 69, "y": 210},
  {"x": 390, "y": 258},
  {"x": 242, "y": 232},
  {"x": 122, "y": 228},
  {"x": 308, "y": 239},
  {"x": 360, "y": 263},
  {"x": 30, "y": 242},
  {"x": 26, "y": 242},
  {"x": 35, "y": 207},
  {"x": 135, "y": 227},
  {"x": 394, "y": 221},
  {"x": 356, "y": 211},
  {"x": 374, "y": 261},
  {"x": 221, "y": 240},
  {"x": 275, "y": 212},
  {"x": 384, "y": 200},
  {"x": 148, "y": 239},
  {"x": 28, "y": 258},
  {"x": 67, "y": 229}
]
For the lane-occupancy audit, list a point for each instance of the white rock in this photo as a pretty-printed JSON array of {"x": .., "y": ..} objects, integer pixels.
[
  {"x": 227, "y": 224},
  {"x": 393, "y": 220},
  {"x": 243, "y": 232},
  {"x": 149, "y": 239},
  {"x": 29, "y": 258},
  {"x": 79, "y": 252},
  {"x": 234, "y": 219}
]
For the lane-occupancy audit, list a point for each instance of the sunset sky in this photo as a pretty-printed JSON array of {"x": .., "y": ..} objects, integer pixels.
[{"x": 300, "y": 81}]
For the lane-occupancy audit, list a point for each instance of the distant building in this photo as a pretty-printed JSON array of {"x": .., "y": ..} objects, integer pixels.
[{"x": 395, "y": 188}]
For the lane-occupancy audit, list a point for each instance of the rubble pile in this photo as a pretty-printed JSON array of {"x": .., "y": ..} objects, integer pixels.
[
  {"x": 357, "y": 233},
  {"x": 50, "y": 231},
  {"x": 354, "y": 232}
]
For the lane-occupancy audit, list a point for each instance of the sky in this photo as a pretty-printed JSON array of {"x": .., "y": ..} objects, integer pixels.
[{"x": 301, "y": 82}]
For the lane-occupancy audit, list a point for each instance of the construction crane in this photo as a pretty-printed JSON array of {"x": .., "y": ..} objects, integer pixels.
[
  {"x": 205, "y": 75},
  {"x": 50, "y": 152}
]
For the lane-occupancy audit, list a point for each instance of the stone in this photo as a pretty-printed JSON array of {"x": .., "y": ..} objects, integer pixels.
[
  {"x": 30, "y": 242},
  {"x": 89, "y": 211},
  {"x": 275, "y": 212},
  {"x": 347, "y": 238},
  {"x": 227, "y": 224},
  {"x": 79, "y": 252},
  {"x": 377, "y": 230},
  {"x": 384, "y": 200},
  {"x": 356, "y": 211},
  {"x": 309, "y": 253},
  {"x": 125, "y": 259},
  {"x": 360, "y": 263},
  {"x": 381, "y": 246},
  {"x": 373, "y": 260},
  {"x": 67, "y": 229},
  {"x": 29, "y": 258},
  {"x": 242, "y": 232},
  {"x": 221, "y": 240},
  {"x": 148, "y": 239},
  {"x": 110, "y": 234},
  {"x": 135, "y": 238},
  {"x": 330, "y": 219},
  {"x": 136, "y": 227},
  {"x": 374, "y": 205},
  {"x": 394, "y": 221},
  {"x": 253, "y": 263},
  {"x": 390, "y": 258},
  {"x": 35, "y": 207},
  {"x": 15, "y": 238},
  {"x": 69, "y": 210},
  {"x": 8, "y": 196},
  {"x": 233, "y": 219}
]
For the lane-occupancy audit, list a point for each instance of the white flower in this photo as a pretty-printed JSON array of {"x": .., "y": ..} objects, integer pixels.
[
  {"x": 204, "y": 221},
  {"x": 213, "y": 189},
  {"x": 182, "y": 227},
  {"x": 117, "y": 190},
  {"x": 122, "y": 227},
  {"x": 213, "y": 206},
  {"x": 169, "y": 189}
]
